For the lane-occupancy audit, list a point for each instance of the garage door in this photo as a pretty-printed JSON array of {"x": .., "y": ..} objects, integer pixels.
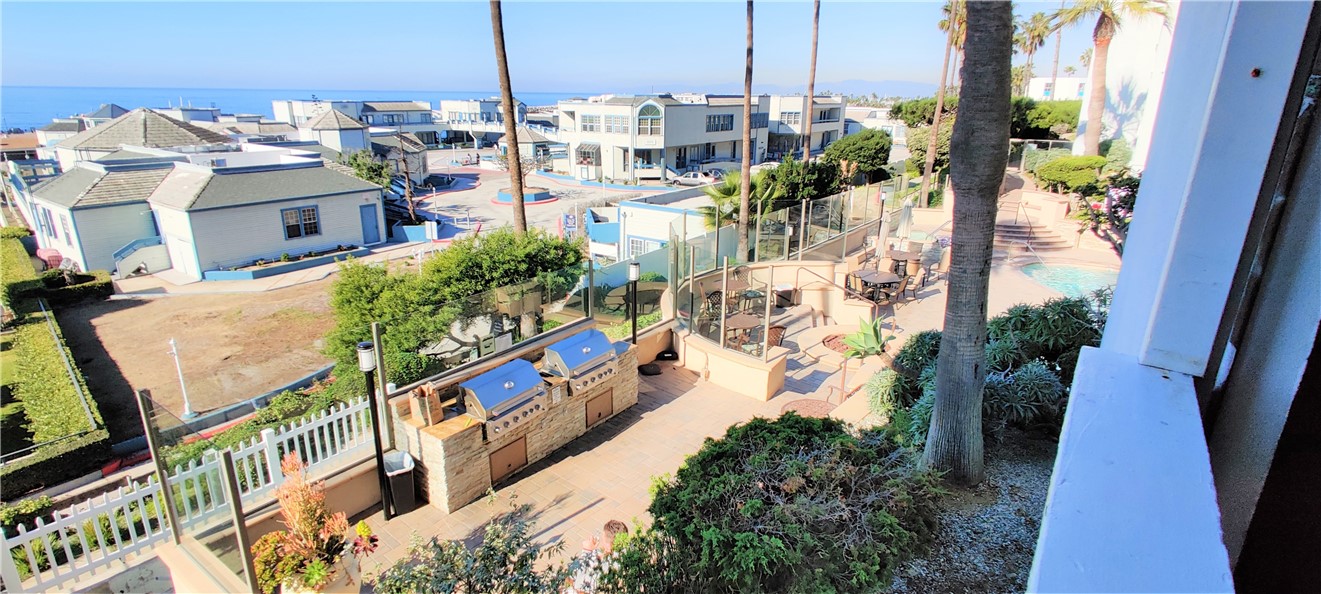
[{"x": 182, "y": 256}]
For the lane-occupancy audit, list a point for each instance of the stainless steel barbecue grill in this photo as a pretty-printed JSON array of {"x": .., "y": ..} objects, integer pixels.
[
  {"x": 585, "y": 359},
  {"x": 506, "y": 397}
]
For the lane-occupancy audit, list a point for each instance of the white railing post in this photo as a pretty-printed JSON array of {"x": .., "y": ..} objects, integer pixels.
[{"x": 272, "y": 454}]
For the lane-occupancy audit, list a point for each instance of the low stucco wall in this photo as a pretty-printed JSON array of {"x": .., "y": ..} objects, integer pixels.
[
  {"x": 733, "y": 371},
  {"x": 352, "y": 491}
]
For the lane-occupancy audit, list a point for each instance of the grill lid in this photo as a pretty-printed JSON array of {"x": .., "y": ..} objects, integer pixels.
[
  {"x": 579, "y": 352},
  {"x": 508, "y": 384}
]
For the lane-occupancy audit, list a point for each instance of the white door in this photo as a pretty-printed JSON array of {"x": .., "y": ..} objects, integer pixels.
[{"x": 182, "y": 256}]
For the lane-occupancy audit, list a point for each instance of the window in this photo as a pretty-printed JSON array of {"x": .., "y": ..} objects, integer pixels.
[
  {"x": 588, "y": 154},
  {"x": 792, "y": 118},
  {"x": 637, "y": 247},
  {"x": 760, "y": 120},
  {"x": 616, "y": 124},
  {"x": 1081, "y": 86},
  {"x": 1048, "y": 89},
  {"x": 719, "y": 123},
  {"x": 367, "y": 119},
  {"x": 300, "y": 222},
  {"x": 68, "y": 235},
  {"x": 828, "y": 115},
  {"x": 425, "y": 118},
  {"x": 650, "y": 122},
  {"x": 591, "y": 123},
  {"x": 50, "y": 224},
  {"x": 391, "y": 118},
  {"x": 709, "y": 151}
]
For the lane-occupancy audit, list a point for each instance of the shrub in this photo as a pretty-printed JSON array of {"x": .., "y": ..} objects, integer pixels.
[
  {"x": 651, "y": 277},
  {"x": 1069, "y": 173},
  {"x": 53, "y": 402},
  {"x": 919, "y": 352},
  {"x": 25, "y": 511},
  {"x": 19, "y": 276},
  {"x": 919, "y": 420},
  {"x": 54, "y": 463},
  {"x": 508, "y": 561},
  {"x": 284, "y": 408},
  {"x": 884, "y": 393},
  {"x": 625, "y": 329},
  {"x": 793, "y": 505},
  {"x": 14, "y": 232},
  {"x": 93, "y": 285}
]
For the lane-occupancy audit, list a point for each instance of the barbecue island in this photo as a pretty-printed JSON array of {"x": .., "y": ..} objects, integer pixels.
[{"x": 473, "y": 427}]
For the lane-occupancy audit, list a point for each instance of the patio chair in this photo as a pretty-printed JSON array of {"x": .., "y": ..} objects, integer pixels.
[
  {"x": 909, "y": 285},
  {"x": 775, "y": 336},
  {"x": 898, "y": 291}
]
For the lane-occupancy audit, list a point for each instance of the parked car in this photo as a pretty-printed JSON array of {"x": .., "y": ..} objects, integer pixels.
[
  {"x": 716, "y": 172},
  {"x": 437, "y": 180},
  {"x": 694, "y": 178}
]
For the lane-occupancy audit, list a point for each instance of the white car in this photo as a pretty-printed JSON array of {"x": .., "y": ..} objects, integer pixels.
[{"x": 694, "y": 178}]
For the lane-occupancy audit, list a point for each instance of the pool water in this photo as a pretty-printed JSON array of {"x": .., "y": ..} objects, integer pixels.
[{"x": 1073, "y": 281}]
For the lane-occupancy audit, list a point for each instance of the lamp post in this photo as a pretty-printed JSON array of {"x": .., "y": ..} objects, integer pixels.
[
  {"x": 183, "y": 387},
  {"x": 634, "y": 273},
  {"x": 367, "y": 364}
]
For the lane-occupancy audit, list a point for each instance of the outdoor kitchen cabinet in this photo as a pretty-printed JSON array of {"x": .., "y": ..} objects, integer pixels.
[
  {"x": 600, "y": 407},
  {"x": 508, "y": 459}
]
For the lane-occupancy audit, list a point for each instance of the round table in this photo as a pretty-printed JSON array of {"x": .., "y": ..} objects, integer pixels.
[
  {"x": 741, "y": 322},
  {"x": 901, "y": 255},
  {"x": 877, "y": 277},
  {"x": 809, "y": 407}
]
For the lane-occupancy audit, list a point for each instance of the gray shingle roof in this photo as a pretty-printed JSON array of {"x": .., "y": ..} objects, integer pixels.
[
  {"x": 85, "y": 187},
  {"x": 249, "y": 127},
  {"x": 640, "y": 99},
  {"x": 384, "y": 144},
  {"x": 196, "y": 188},
  {"x": 527, "y": 135},
  {"x": 373, "y": 106},
  {"x": 127, "y": 155},
  {"x": 335, "y": 120},
  {"x": 107, "y": 110},
  {"x": 66, "y": 126},
  {"x": 142, "y": 127}
]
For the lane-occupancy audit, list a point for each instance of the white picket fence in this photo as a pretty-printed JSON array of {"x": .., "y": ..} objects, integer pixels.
[{"x": 88, "y": 537}]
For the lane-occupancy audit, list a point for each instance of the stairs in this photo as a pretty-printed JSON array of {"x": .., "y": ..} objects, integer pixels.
[{"x": 1014, "y": 238}]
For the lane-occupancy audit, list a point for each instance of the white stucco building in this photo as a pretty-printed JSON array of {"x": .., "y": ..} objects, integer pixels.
[
  {"x": 140, "y": 127},
  {"x": 787, "y": 113},
  {"x": 857, "y": 119},
  {"x": 480, "y": 120},
  {"x": 382, "y": 116}
]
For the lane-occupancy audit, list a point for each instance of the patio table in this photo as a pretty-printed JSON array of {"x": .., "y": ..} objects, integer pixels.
[{"x": 877, "y": 277}]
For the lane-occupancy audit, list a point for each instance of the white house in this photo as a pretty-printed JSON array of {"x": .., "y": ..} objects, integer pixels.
[
  {"x": 1043, "y": 88},
  {"x": 337, "y": 130},
  {"x": 476, "y": 119},
  {"x": 655, "y": 137},
  {"x": 857, "y": 119},
  {"x": 382, "y": 116},
  {"x": 787, "y": 113},
  {"x": 388, "y": 147},
  {"x": 250, "y": 130},
  {"x": 139, "y": 127}
]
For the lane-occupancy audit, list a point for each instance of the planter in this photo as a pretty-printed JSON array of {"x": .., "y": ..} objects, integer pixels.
[
  {"x": 282, "y": 267},
  {"x": 530, "y": 196},
  {"x": 347, "y": 579},
  {"x": 515, "y": 300}
]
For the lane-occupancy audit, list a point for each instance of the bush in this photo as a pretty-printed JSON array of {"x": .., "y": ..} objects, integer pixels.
[
  {"x": 54, "y": 405},
  {"x": 884, "y": 393},
  {"x": 868, "y": 151},
  {"x": 1070, "y": 173},
  {"x": 651, "y": 277},
  {"x": 93, "y": 285},
  {"x": 286, "y": 407},
  {"x": 142, "y": 516},
  {"x": 14, "y": 232},
  {"x": 792, "y": 505},
  {"x": 24, "y": 512},
  {"x": 918, "y": 352},
  {"x": 1033, "y": 159},
  {"x": 19, "y": 276},
  {"x": 54, "y": 463}
]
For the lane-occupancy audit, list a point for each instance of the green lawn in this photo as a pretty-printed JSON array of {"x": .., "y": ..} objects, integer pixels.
[{"x": 13, "y": 435}]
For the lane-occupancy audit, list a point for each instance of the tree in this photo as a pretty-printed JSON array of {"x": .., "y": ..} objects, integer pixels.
[
  {"x": 919, "y": 141},
  {"x": 954, "y": 23},
  {"x": 1019, "y": 78},
  {"x": 916, "y": 113},
  {"x": 1055, "y": 65},
  {"x": 367, "y": 168},
  {"x": 1086, "y": 58},
  {"x": 954, "y": 35},
  {"x": 1110, "y": 16},
  {"x": 725, "y": 198},
  {"x": 1032, "y": 34},
  {"x": 796, "y": 180},
  {"x": 868, "y": 150},
  {"x": 979, "y": 154},
  {"x": 745, "y": 193},
  {"x": 1070, "y": 71},
  {"x": 811, "y": 81},
  {"x": 511, "y": 121}
]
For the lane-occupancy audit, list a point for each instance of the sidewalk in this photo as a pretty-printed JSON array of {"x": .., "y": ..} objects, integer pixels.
[{"x": 171, "y": 282}]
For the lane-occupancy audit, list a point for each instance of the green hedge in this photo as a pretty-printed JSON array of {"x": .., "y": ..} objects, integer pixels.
[
  {"x": 54, "y": 410},
  {"x": 24, "y": 512},
  {"x": 19, "y": 276},
  {"x": 284, "y": 408},
  {"x": 96, "y": 286},
  {"x": 14, "y": 232}
]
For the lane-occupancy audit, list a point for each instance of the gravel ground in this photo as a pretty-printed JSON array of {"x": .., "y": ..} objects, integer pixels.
[{"x": 988, "y": 533}]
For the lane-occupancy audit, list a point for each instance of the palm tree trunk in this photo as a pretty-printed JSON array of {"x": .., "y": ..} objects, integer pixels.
[
  {"x": 1027, "y": 76},
  {"x": 1055, "y": 68},
  {"x": 1091, "y": 141},
  {"x": 511, "y": 121},
  {"x": 979, "y": 153},
  {"x": 935, "y": 124},
  {"x": 745, "y": 192},
  {"x": 811, "y": 82}
]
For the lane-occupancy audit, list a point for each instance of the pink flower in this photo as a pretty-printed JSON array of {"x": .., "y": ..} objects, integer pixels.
[{"x": 1097, "y": 206}]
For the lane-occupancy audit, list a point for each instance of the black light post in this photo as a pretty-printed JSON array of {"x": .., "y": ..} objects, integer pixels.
[
  {"x": 634, "y": 272},
  {"x": 367, "y": 363}
]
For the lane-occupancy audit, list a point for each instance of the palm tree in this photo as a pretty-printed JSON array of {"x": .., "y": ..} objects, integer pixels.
[
  {"x": 726, "y": 196},
  {"x": 1032, "y": 34},
  {"x": 511, "y": 122},
  {"x": 1055, "y": 66},
  {"x": 954, "y": 22},
  {"x": 745, "y": 193},
  {"x": 1086, "y": 58},
  {"x": 1110, "y": 16},
  {"x": 978, "y": 155},
  {"x": 811, "y": 82},
  {"x": 1070, "y": 71},
  {"x": 952, "y": 28}
]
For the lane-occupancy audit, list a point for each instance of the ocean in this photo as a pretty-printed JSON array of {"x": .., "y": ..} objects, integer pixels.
[{"x": 33, "y": 107}]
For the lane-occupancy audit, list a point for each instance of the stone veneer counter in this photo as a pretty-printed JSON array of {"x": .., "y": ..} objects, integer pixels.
[{"x": 456, "y": 466}]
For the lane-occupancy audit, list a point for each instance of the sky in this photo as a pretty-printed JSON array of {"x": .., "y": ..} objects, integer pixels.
[{"x": 619, "y": 46}]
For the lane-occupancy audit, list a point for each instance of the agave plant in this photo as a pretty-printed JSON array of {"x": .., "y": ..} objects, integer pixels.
[{"x": 869, "y": 340}]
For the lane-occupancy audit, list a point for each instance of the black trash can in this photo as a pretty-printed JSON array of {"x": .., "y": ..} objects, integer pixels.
[{"x": 399, "y": 470}]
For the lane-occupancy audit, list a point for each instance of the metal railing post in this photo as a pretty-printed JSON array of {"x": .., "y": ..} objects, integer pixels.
[
  {"x": 387, "y": 424},
  {"x": 766, "y": 326},
  {"x": 724, "y": 299},
  {"x": 145, "y": 409},
  {"x": 240, "y": 524},
  {"x": 591, "y": 289},
  {"x": 802, "y": 231},
  {"x": 692, "y": 288}
]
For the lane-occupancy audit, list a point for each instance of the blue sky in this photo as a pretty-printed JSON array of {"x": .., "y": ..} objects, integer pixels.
[{"x": 620, "y": 46}]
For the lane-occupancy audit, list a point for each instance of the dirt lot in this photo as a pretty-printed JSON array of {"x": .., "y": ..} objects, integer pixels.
[{"x": 232, "y": 347}]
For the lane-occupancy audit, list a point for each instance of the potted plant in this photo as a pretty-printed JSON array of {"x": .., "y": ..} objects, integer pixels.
[
  {"x": 314, "y": 553},
  {"x": 868, "y": 341}
]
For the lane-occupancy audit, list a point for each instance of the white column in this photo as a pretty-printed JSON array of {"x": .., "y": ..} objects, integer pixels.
[{"x": 1215, "y": 128}]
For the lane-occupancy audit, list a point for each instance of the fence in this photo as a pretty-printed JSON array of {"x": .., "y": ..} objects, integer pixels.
[{"x": 92, "y": 534}]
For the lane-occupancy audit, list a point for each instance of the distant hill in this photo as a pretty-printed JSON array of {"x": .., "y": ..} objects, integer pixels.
[{"x": 883, "y": 88}]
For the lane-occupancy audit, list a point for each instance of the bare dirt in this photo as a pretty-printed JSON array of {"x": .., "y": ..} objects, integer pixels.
[{"x": 232, "y": 347}]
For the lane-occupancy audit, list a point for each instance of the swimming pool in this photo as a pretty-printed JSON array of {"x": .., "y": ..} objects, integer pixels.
[{"x": 1073, "y": 281}]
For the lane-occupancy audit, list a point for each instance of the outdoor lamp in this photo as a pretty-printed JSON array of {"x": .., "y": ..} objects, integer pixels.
[
  {"x": 366, "y": 357},
  {"x": 634, "y": 271}
]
